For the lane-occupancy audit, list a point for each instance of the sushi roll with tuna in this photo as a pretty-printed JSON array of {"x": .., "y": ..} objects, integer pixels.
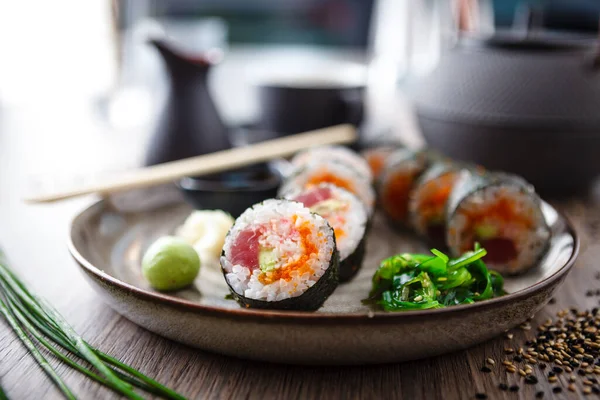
[
  {"x": 348, "y": 218},
  {"x": 336, "y": 173},
  {"x": 333, "y": 153},
  {"x": 400, "y": 174},
  {"x": 429, "y": 200},
  {"x": 503, "y": 213},
  {"x": 280, "y": 255}
]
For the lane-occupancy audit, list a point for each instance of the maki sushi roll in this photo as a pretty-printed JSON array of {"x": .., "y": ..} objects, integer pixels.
[
  {"x": 336, "y": 173},
  {"x": 376, "y": 157},
  {"x": 400, "y": 174},
  {"x": 348, "y": 218},
  {"x": 503, "y": 213},
  {"x": 429, "y": 200},
  {"x": 279, "y": 255},
  {"x": 334, "y": 153}
]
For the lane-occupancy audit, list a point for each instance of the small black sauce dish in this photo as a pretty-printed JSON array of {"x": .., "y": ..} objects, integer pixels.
[{"x": 232, "y": 191}]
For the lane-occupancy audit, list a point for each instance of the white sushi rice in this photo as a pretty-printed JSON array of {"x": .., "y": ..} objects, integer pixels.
[
  {"x": 334, "y": 153},
  {"x": 286, "y": 246},
  {"x": 530, "y": 243},
  {"x": 354, "y": 217},
  {"x": 357, "y": 183}
]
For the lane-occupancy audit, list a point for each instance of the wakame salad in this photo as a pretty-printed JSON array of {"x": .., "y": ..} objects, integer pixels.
[{"x": 420, "y": 281}]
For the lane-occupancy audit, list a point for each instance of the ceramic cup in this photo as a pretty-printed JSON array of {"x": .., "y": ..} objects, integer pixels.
[{"x": 299, "y": 101}]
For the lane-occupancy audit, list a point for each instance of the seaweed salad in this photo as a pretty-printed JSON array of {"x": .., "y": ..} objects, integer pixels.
[{"x": 421, "y": 281}]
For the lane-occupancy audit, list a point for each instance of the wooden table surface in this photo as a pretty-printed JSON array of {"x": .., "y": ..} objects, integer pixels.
[{"x": 50, "y": 142}]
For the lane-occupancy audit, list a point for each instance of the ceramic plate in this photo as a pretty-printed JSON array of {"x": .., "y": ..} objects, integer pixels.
[{"x": 108, "y": 245}]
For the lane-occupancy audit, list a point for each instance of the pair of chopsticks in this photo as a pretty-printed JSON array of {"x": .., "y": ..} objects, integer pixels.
[{"x": 205, "y": 164}]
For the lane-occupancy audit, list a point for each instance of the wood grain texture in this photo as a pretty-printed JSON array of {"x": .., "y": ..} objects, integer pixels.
[{"x": 34, "y": 239}]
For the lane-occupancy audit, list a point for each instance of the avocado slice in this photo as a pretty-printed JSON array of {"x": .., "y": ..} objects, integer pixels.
[
  {"x": 267, "y": 260},
  {"x": 327, "y": 206},
  {"x": 486, "y": 231}
]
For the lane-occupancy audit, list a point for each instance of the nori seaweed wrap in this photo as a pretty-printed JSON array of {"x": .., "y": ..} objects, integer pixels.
[
  {"x": 429, "y": 201},
  {"x": 280, "y": 255},
  {"x": 503, "y": 213},
  {"x": 400, "y": 174}
]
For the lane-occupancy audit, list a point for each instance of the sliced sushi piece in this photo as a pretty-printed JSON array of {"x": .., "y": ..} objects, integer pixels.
[
  {"x": 503, "y": 213},
  {"x": 280, "y": 255},
  {"x": 334, "y": 153},
  {"x": 400, "y": 174},
  {"x": 376, "y": 157},
  {"x": 348, "y": 217},
  {"x": 336, "y": 173},
  {"x": 429, "y": 200}
]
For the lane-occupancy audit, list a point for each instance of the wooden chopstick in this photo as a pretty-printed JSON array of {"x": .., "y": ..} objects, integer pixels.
[{"x": 205, "y": 164}]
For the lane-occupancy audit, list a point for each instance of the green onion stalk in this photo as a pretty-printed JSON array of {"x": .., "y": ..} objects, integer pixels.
[{"x": 39, "y": 325}]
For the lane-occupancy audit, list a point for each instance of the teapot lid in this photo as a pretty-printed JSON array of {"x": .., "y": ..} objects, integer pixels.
[
  {"x": 549, "y": 82},
  {"x": 530, "y": 41}
]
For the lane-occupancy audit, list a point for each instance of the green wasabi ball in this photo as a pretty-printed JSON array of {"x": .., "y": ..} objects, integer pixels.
[{"x": 170, "y": 263}]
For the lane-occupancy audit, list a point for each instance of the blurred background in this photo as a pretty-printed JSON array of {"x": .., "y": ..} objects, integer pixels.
[{"x": 85, "y": 70}]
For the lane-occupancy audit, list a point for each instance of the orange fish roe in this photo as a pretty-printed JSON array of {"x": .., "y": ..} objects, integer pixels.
[
  {"x": 396, "y": 194},
  {"x": 502, "y": 209},
  {"x": 434, "y": 196},
  {"x": 301, "y": 264},
  {"x": 376, "y": 161},
  {"x": 325, "y": 176}
]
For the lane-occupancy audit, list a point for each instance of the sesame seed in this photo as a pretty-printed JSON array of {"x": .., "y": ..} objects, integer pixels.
[
  {"x": 485, "y": 369},
  {"x": 490, "y": 361},
  {"x": 587, "y": 390},
  {"x": 571, "y": 387},
  {"x": 509, "y": 336},
  {"x": 556, "y": 389},
  {"x": 503, "y": 386},
  {"x": 552, "y": 379},
  {"x": 539, "y": 395},
  {"x": 506, "y": 362},
  {"x": 522, "y": 372},
  {"x": 531, "y": 380},
  {"x": 481, "y": 396},
  {"x": 514, "y": 388},
  {"x": 418, "y": 298}
]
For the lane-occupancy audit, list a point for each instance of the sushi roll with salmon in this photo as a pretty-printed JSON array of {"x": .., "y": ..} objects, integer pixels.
[
  {"x": 333, "y": 153},
  {"x": 503, "y": 214},
  {"x": 400, "y": 174},
  {"x": 280, "y": 255},
  {"x": 336, "y": 173},
  {"x": 348, "y": 218},
  {"x": 429, "y": 200}
]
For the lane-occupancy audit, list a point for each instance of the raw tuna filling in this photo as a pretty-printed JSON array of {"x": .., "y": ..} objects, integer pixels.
[
  {"x": 498, "y": 226},
  {"x": 321, "y": 201},
  {"x": 283, "y": 251}
]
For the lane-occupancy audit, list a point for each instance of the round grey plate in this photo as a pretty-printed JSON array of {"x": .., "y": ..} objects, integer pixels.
[{"x": 108, "y": 245}]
